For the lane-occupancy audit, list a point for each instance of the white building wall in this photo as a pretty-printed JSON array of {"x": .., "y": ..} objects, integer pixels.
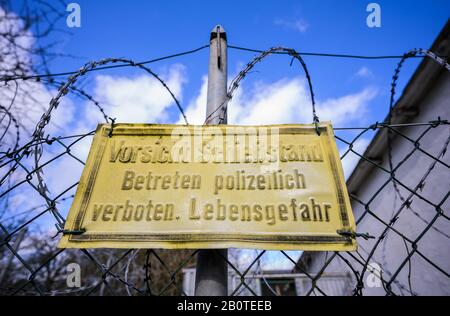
[{"x": 391, "y": 252}]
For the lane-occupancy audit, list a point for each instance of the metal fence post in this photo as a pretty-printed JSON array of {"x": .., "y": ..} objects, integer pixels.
[{"x": 211, "y": 278}]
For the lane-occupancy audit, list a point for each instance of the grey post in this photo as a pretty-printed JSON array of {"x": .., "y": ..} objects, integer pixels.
[{"x": 211, "y": 278}]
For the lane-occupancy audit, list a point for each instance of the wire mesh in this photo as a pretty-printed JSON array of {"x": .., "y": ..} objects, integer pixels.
[{"x": 417, "y": 218}]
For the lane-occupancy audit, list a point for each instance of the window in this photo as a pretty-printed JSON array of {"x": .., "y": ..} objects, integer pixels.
[{"x": 278, "y": 286}]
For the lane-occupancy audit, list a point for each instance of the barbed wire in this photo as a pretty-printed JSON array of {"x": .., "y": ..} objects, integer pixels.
[
  {"x": 132, "y": 272},
  {"x": 253, "y": 50},
  {"x": 200, "y": 48},
  {"x": 221, "y": 110},
  {"x": 125, "y": 64}
]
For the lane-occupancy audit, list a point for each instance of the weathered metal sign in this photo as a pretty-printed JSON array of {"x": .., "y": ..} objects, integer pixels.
[{"x": 173, "y": 186}]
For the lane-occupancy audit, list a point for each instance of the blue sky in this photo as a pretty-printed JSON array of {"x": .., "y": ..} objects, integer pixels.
[
  {"x": 143, "y": 30},
  {"x": 350, "y": 92}
]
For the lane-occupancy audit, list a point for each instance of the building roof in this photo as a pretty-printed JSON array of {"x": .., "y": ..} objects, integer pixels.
[{"x": 406, "y": 108}]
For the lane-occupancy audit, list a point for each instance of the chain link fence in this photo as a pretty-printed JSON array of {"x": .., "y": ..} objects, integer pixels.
[{"x": 413, "y": 186}]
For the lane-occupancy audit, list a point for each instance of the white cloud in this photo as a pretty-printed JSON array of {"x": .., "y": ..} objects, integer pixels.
[
  {"x": 27, "y": 106},
  {"x": 141, "y": 99},
  {"x": 284, "y": 101},
  {"x": 14, "y": 48},
  {"x": 196, "y": 109},
  {"x": 364, "y": 72},
  {"x": 298, "y": 25},
  {"x": 346, "y": 109}
]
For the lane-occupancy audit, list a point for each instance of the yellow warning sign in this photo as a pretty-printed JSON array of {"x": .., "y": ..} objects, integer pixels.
[{"x": 216, "y": 186}]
